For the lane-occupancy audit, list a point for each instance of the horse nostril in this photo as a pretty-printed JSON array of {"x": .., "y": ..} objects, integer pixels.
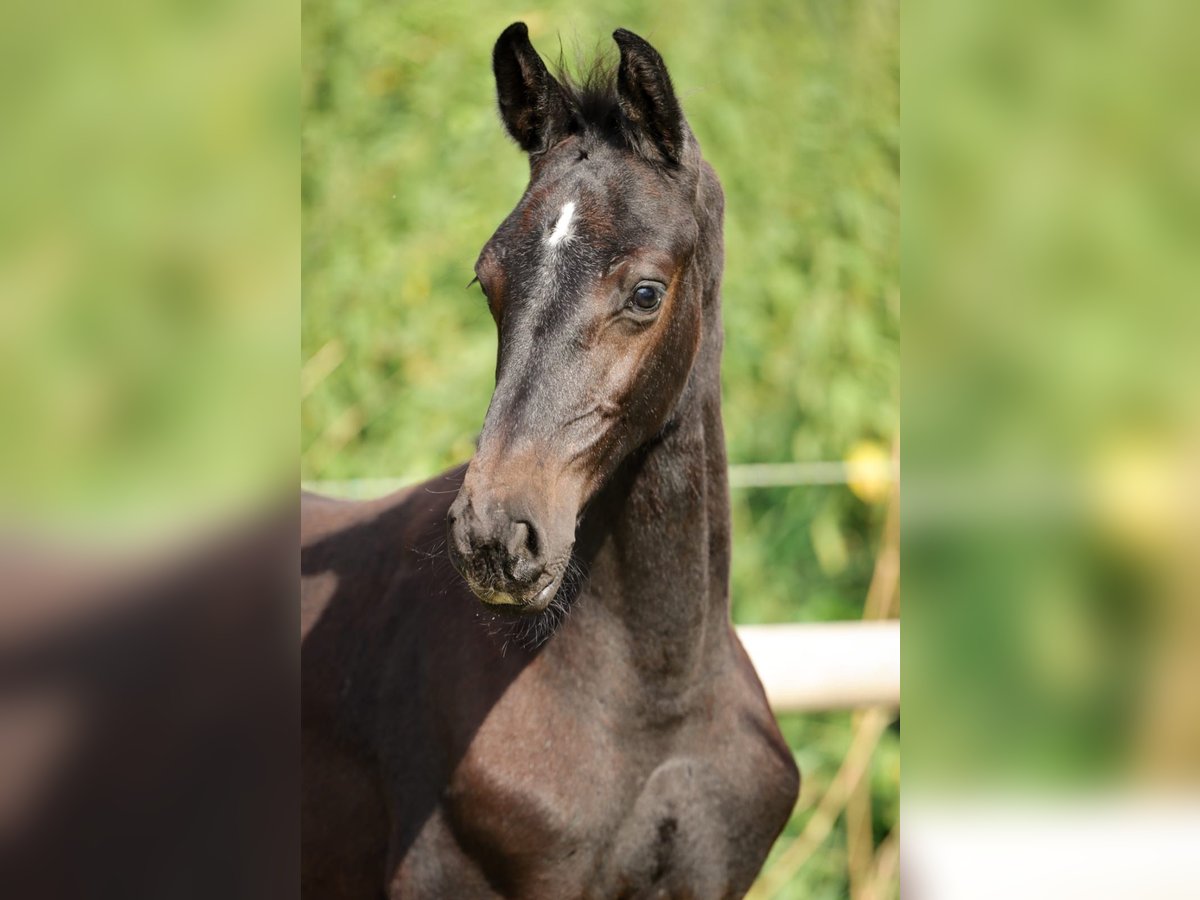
[
  {"x": 457, "y": 513},
  {"x": 523, "y": 540},
  {"x": 458, "y": 526}
]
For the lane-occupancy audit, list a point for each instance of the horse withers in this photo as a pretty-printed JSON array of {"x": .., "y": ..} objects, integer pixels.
[{"x": 520, "y": 679}]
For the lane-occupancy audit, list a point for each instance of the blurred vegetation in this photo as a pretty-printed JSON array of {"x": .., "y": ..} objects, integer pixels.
[
  {"x": 148, "y": 272},
  {"x": 1052, "y": 212},
  {"x": 407, "y": 171}
]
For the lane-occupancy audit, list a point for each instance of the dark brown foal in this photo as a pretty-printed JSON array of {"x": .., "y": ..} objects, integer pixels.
[{"x": 520, "y": 679}]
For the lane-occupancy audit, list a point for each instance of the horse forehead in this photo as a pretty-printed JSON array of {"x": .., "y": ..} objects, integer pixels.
[
  {"x": 567, "y": 201},
  {"x": 599, "y": 187},
  {"x": 575, "y": 222},
  {"x": 571, "y": 225}
]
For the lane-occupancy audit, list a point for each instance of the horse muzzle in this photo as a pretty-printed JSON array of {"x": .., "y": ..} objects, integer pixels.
[{"x": 507, "y": 559}]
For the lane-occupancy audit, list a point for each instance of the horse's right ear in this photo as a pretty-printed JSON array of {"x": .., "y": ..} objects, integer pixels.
[
  {"x": 653, "y": 119},
  {"x": 531, "y": 101}
]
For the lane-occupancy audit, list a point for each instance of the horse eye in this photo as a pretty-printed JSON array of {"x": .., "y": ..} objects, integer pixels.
[{"x": 647, "y": 297}]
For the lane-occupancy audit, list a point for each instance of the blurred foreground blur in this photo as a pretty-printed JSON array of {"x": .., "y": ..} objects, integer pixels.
[
  {"x": 148, "y": 331},
  {"x": 149, "y": 719},
  {"x": 1052, "y": 629}
]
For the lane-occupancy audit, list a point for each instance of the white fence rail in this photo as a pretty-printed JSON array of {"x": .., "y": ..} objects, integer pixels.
[{"x": 826, "y": 665}]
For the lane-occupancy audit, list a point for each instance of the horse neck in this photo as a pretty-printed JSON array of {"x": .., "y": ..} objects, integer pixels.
[{"x": 658, "y": 536}]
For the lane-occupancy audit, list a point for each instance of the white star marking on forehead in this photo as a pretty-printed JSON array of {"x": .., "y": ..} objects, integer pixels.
[{"x": 562, "y": 228}]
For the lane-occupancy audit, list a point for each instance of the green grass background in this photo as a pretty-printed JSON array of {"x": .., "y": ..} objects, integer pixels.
[{"x": 407, "y": 171}]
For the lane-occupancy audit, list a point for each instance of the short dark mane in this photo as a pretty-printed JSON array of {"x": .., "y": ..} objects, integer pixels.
[{"x": 591, "y": 95}]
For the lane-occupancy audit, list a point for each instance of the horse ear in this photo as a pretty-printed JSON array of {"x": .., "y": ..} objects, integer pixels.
[
  {"x": 531, "y": 101},
  {"x": 652, "y": 115}
]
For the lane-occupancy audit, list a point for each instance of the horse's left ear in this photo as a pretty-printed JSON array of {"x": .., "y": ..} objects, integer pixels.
[
  {"x": 653, "y": 118},
  {"x": 531, "y": 101}
]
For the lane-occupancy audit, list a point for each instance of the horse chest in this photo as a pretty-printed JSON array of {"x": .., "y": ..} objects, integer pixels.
[{"x": 605, "y": 825}]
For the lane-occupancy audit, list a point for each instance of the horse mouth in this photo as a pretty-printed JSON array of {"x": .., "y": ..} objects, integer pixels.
[{"x": 503, "y": 601}]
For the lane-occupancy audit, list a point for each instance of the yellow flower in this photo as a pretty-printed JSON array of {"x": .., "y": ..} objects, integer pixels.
[{"x": 869, "y": 471}]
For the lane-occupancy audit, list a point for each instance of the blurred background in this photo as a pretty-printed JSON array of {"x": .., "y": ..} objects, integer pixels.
[
  {"x": 149, "y": 319},
  {"x": 148, "y": 264},
  {"x": 406, "y": 172},
  {"x": 1052, "y": 629},
  {"x": 1050, "y": 451}
]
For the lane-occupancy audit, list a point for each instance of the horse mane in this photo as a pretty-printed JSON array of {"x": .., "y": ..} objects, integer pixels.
[
  {"x": 590, "y": 89},
  {"x": 591, "y": 94}
]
